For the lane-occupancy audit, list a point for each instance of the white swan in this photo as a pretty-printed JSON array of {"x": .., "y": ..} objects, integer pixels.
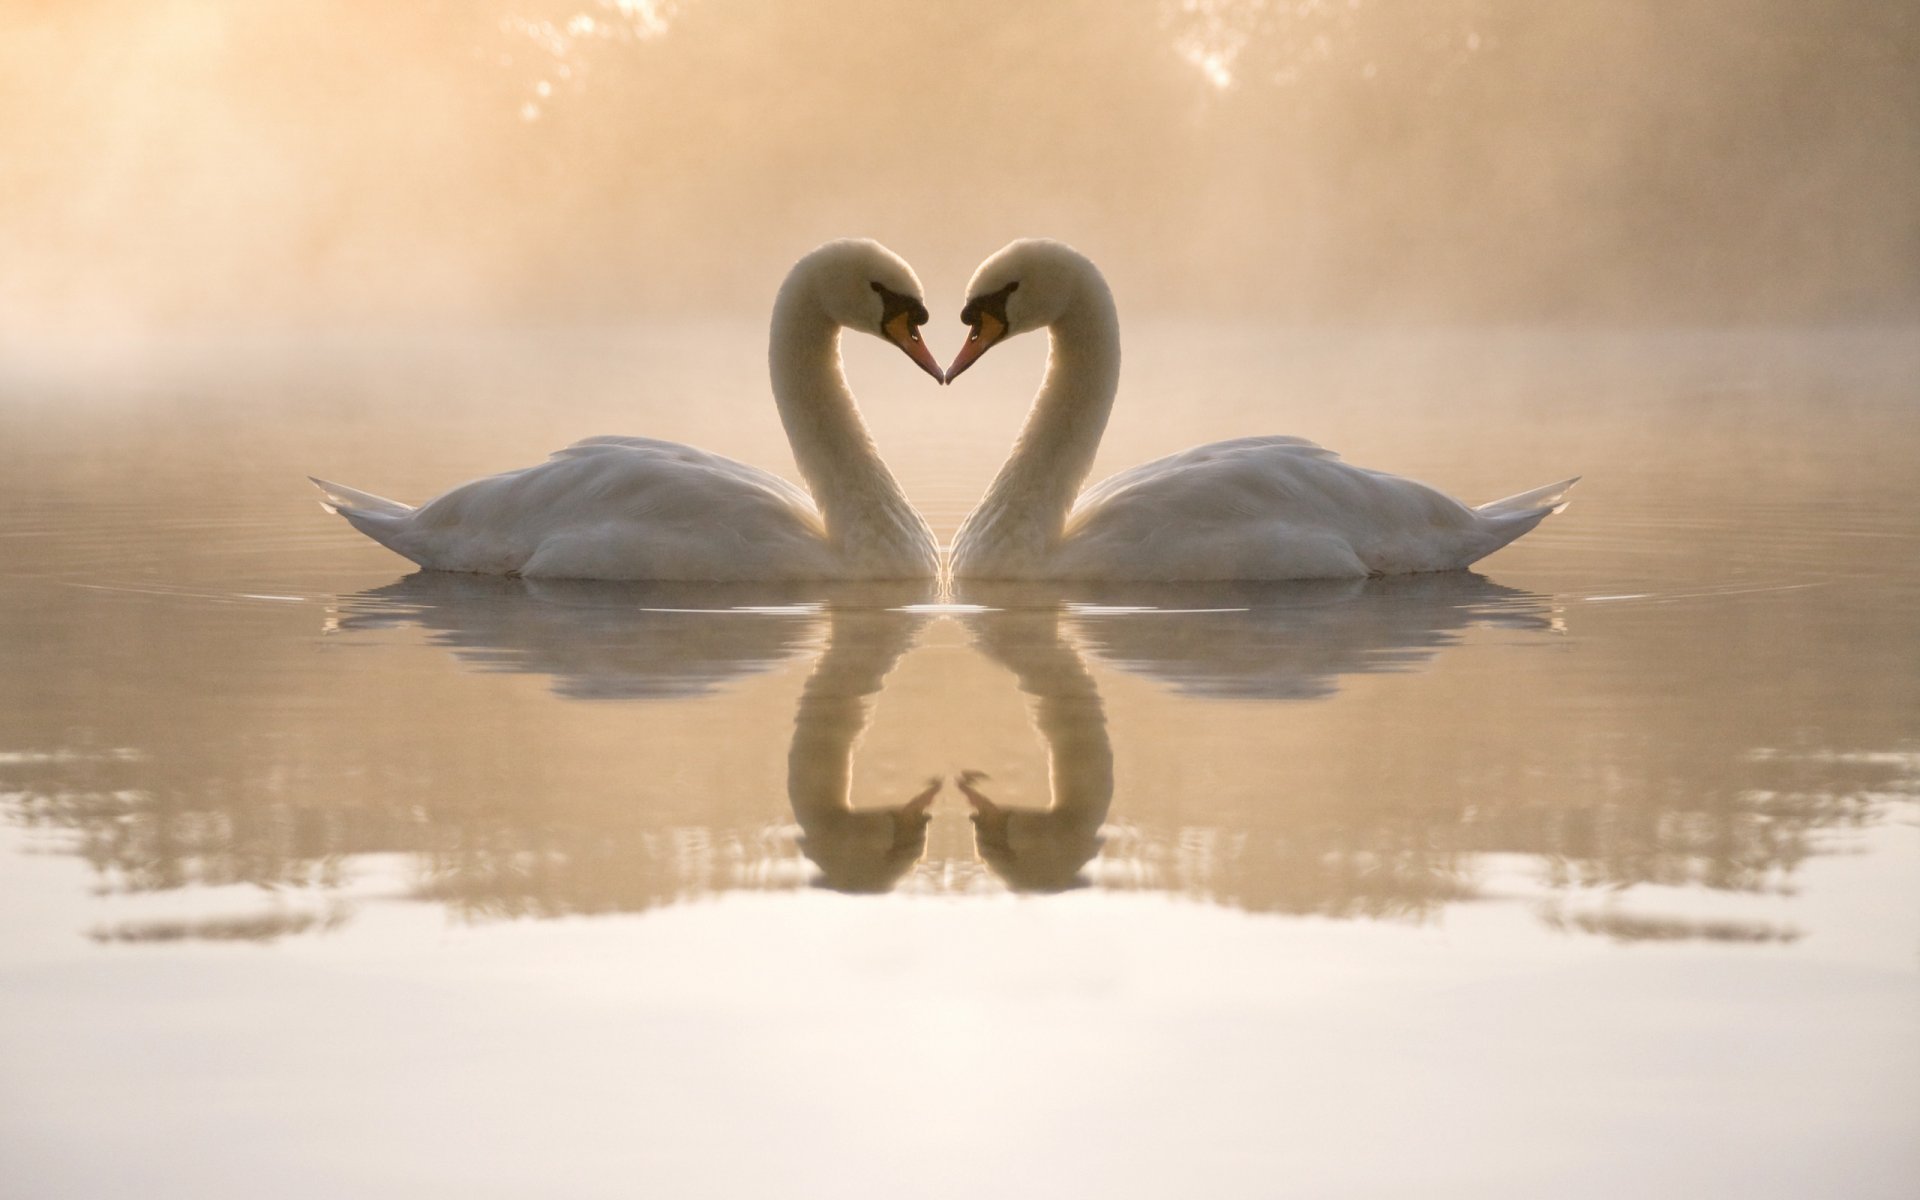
[
  {"x": 638, "y": 508},
  {"x": 1248, "y": 508}
]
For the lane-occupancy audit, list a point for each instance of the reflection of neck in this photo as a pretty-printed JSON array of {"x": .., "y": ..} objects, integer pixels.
[
  {"x": 859, "y": 498},
  {"x": 833, "y": 713},
  {"x": 1046, "y": 848},
  {"x": 859, "y": 849},
  {"x": 1070, "y": 717},
  {"x": 1024, "y": 512}
]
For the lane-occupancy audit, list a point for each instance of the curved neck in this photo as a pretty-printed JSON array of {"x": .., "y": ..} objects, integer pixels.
[
  {"x": 861, "y": 651},
  {"x": 857, "y": 849},
  {"x": 1035, "y": 490},
  {"x": 859, "y": 498},
  {"x": 1072, "y": 721},
  {"x": 1044, "y": 850}
]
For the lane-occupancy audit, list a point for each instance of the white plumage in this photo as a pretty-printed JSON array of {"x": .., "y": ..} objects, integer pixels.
[
  {"x": 607, "y": 508},
  {"x": 1248, "y": 508},
  {"x": 640, "y": 508}
]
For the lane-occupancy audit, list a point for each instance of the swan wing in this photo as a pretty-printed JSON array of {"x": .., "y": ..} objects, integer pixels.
[
  {"x": 1276, "y": 508},
  {"x": 619, "y": 508},
  {"x": 794, "y": 493},
  {"x": 1195, "y": 457}
]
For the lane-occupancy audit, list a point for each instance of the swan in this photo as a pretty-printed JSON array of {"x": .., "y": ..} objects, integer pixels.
[
  {"x": 1252, "y": 508},
  {"x": 639, "y": 508}
]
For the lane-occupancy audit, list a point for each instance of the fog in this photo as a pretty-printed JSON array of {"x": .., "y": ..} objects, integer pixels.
[{"x": 225, "y": 163}]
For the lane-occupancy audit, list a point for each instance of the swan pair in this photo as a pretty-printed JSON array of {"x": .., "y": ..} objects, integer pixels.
[{"x": 1257, "y": 508}]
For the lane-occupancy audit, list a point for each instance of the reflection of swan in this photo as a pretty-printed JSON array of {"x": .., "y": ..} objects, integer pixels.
[
  {"x": 638, "y": 508},
  {"x": 1043, "y": 850},
  {"x": 865, "y": 849},
  {"x": 1230, "y": 640},
  {"x": 1290, "y": 641},
  {"x": 600, "y": 640},
  {"x": 1245, "y": 641},
  {"x": 1250, "y": 508},
  {"x": 605, "y": 640}
]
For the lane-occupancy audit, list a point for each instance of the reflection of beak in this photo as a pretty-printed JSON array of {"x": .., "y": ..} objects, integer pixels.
[
  {"x": 986, "y": 332},
  {"x": 989, "y": 819},
  {"x": 902, "y": 332},
  {"x": 910, "y": 819}
]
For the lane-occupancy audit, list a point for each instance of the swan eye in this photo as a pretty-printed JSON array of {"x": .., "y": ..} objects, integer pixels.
[
  {"x": 893, "y": 304},
  {"x": 987, "y": 314},
  {"x": 990, "y": 304},
  {"x": 900, "y": 320}
]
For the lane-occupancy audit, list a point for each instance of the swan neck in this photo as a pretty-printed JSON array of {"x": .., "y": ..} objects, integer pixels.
[
  {"x": 831, "y": 444},
  {"x": 1057, "y": 444}
]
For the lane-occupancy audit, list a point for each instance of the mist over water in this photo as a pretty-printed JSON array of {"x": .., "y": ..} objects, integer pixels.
[
  {"x": 215, "y": 162},
  {"x": 1592, "y": 871}
]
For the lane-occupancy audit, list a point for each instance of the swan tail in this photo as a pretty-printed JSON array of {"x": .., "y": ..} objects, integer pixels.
[
  {"x": 385, "y": 521},
  {"x": 1503, "y": 521},
  {"x": 351, "y": 502},
  {"x": 1538, "y": 503}
]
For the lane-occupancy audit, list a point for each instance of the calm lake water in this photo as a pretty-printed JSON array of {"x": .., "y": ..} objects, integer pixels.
[{"x": 1593, "y": 873}]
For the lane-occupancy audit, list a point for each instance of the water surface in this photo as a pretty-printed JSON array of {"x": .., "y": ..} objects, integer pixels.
[{"x": 1589, "y": 873}]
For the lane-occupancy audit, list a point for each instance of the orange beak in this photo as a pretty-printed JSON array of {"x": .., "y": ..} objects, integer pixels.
[
  {"x": 902, "y": 332},
  {"x": 985, "y": 333}
]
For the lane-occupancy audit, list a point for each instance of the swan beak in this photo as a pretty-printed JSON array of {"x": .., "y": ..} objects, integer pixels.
[
  {"x": 902, "y": 332},
  {"x": 986, "y": 332}
]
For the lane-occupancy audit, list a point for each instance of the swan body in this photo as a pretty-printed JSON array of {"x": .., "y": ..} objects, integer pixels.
[
  {"x": 1254, "y": 508},
  {"x": 641, "y": 508}
]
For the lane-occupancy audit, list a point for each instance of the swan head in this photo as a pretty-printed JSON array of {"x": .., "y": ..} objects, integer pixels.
[
  {"x": 1029, "y": 284},
  {"x": 863, "y": 286},
  {"x": 867, "y": 851}
]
